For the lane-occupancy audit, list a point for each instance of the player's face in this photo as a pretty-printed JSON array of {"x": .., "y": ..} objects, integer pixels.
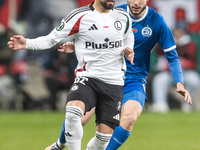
[
  {"x": 137, "y": 7},
  {"x": 107, "y": 4}
]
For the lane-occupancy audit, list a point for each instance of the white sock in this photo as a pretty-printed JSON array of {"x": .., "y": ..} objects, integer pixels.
[
  {"x": 99, "y": 141},
  {"x": 73, "y": 127}
]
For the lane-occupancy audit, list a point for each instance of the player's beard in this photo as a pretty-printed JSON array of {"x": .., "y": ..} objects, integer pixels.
[
  {"x": 137, "y": 13},
  {"x": 105, "y": 5}
]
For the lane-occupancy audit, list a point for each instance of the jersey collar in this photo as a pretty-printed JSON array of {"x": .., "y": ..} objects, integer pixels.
[{"x": 91, "y": 6}]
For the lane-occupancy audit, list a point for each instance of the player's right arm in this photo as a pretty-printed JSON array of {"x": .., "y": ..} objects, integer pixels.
[
  {"x": 68, "y": 26},
  {"x": 17, "y": 42}
]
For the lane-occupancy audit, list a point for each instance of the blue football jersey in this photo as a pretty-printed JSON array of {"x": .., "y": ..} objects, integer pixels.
[{"x": 149, "y": 30}]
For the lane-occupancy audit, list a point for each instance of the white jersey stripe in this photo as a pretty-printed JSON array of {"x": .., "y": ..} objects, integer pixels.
[{"x": 169, "y": 49}]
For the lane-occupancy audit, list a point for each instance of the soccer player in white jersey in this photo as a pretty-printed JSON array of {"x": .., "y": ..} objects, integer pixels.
[
  {"x": 149, "y": 29},
  {"x": 102, "y": 36}
]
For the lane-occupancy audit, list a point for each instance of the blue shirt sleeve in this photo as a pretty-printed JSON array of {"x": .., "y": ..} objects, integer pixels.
[
  {"x": 174, "y": 65},
  {"x": 166, "y": 40}
]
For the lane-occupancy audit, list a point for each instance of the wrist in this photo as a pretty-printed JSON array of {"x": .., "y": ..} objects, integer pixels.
[{"x": 180, "y": 85}]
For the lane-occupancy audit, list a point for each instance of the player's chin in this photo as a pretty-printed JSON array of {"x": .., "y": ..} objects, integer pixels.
[{"x": 110, "y": 4}]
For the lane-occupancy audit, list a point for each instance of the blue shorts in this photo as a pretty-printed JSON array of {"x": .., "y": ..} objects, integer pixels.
[{"x": 134, "y": 95}]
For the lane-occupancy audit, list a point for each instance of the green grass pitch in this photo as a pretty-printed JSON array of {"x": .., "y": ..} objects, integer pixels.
[{"x": 36, "y": 130}]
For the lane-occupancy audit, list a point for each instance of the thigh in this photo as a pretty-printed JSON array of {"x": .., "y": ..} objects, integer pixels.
[
  {"x": 108, "y": 106},
  {"x": 82, "y": 89},
  {"x": 134, "y": 95}
]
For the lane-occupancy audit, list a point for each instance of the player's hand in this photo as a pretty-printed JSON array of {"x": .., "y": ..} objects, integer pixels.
[
  {"x": 129, "y": 53},
  {"x": 17, "y": 42},
  {"x": 67, "y": 47},
  {"x": 181, "y": 90}
]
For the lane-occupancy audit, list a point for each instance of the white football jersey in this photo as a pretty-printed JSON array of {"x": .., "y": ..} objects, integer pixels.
[{"x": 99, "y": 40}]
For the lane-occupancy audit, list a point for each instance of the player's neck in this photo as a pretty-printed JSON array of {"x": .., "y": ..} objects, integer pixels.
[
  {"x": 100, "y": 8},
  {"x": 136, "y": 16}
]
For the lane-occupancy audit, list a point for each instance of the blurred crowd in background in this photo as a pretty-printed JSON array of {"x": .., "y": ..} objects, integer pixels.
[{"x": 40, "y": 80}]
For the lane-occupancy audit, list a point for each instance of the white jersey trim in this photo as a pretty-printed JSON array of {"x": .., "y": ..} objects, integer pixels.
[
  {"x": 169, "y": 49},
  {"x": 75, "y": 12}
]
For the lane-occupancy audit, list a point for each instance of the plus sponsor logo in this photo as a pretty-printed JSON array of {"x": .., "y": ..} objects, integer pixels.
[{"x": 105, "y": 45}]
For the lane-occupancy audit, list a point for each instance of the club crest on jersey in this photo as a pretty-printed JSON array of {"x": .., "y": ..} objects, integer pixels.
[
  {"x": 75, "y": 87},
  {"x": 146, "y": 31},
  {"x": 118, "y": 25},
  {"x": 60, "y": 26}
]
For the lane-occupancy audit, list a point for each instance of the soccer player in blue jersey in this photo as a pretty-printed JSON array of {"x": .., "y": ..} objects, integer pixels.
[{"x": 149, "y": 29}]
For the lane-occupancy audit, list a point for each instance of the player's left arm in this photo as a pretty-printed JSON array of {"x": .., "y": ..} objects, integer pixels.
[
  {"x": 129, "y": 53},
  {"x": 175, "y": 67},
  {"x": 181, "y": 90},
  {"x": 166, "y": 40},
  {"x": 129, "y": 40},
  {"x": 67, "y": 47}
]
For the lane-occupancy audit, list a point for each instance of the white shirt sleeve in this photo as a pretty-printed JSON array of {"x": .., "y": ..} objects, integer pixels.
[
  {"x": 41, "y": 43},
  {"x": 129, "y": 36},
  {"x": 62, "y": 31}
]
